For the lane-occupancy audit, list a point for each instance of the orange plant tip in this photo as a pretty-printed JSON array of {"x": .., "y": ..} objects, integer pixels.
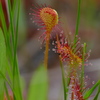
[
  {"x": 45, "y": 17},
  {"x": 49, "y": 16},
  {"x": 66, "y": 52}
]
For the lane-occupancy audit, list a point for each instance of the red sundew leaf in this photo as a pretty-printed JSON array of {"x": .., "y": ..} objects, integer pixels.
[
  {"x": 76, "y": 89},
  {"x": 67, "y": 52},
  {"x": 45, "y": 17},
  {"x": 70, "y": 53}
]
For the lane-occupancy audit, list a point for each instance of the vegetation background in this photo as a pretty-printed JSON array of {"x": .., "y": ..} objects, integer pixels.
[{"x": 30, "y": 54}]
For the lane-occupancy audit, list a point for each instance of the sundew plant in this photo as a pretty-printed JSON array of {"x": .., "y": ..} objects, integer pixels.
[{"x": 71, "y": 53}]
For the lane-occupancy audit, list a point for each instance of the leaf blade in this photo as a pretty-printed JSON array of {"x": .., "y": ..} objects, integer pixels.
[
  {"x": 90, "y": 91},
  {"x": 2, "y": 63},
  {"x": 97, "y": 95},
  {"x": 39, "y": 85}
]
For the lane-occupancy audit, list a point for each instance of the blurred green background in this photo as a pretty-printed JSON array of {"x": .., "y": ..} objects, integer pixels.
[{"x": 30, "y": 54}]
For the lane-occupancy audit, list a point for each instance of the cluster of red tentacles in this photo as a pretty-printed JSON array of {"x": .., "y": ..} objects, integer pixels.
[
  {"x": 47, "y": 18},
  {"x": 71, "y": 52}
]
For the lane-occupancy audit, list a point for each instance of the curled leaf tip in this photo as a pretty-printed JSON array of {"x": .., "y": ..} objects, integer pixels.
[{"x": 49, "y": 17}]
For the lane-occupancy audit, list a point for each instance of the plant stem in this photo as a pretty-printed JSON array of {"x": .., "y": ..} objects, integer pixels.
[
  {"x": 83, "y": 59},
  {"x": 78, "y": 20},
  {"x": 72, "y": 96},
  {"x": 15, "y": 63},
  {"x": 11, "y": 22},
  {"x": 63, "y": 79},
  {"x": 47, "y": 48}
]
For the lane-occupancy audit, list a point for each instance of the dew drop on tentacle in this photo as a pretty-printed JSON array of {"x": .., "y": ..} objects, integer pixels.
[
  {"x": 70, "y": 33},
  {"x": 62, "y": 32},
  {"x": 30, "y": 13},
  {"x": 93, "y": 82},
  {"x": 53, "y": 43},
  {"x": 86, "y": 76},
  {"x": 32, "y": 21},
  {"x": 90, "y": 64},
  {"x": 38, "y": 29},
  {"x": 85, "y": 83},
  {"x": 53, "y": 49},
  {"x": 40, "y": 47},
  {"x": 86, "y": 61},
  {"x": 31, "y": 18},
  {"x": 31, "y": 9},
  {"x": 60, "y": 35}
]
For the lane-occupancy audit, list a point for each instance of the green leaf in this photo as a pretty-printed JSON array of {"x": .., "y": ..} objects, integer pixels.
[
  {"x": 97, "y": 95},
  {"x": 90, "y": 91},
  {"x": 2, "y": 63},
  {"x": 3, "y": 22},
  {"x": 7, "y": 37},
  {"x": 83, "y": 61},
  {"x": 6, "y": 80},
  {"x": 16, "y": 73},
  {"x": 11, "y": 21},
  {"x": 39, "y": 85}
]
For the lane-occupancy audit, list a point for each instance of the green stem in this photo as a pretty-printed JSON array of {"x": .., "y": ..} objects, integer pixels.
[
  {"x": 11, "y": 22},
  {"x": 15, "y": 45},
  {"x": 72, "y": 96},
  {"x": 83, "y": 59},
  {"x": 78, "y": 20},
  {"x": 6, "y": 80},
  {"x": 47, "y": 49},
  {"x": 15, "y": 63},
  {"x": 63, "y": 79}
]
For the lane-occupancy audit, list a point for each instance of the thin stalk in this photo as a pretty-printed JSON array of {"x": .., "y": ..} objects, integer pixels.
[
  {"x": 3, "y": 22},
  {"x": 14, "y": 7},
  {"x": 15, "y": 45},
  {"x": 65, "y": 82},
  {"x": 15, "y": 63},
  {"x": 47, "y": 49},
  {"x": 78, "y": 20},
  {"x": 63, "y": 79},
  {"x": 6, "y": 80},
  {"x": 18, "y": 79},
  {"x": 11, "y": 22},
  {"x": 6, "y": 33},
  {"x": 72, "y": 96},
  {"x": 83, "y": 59}
]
